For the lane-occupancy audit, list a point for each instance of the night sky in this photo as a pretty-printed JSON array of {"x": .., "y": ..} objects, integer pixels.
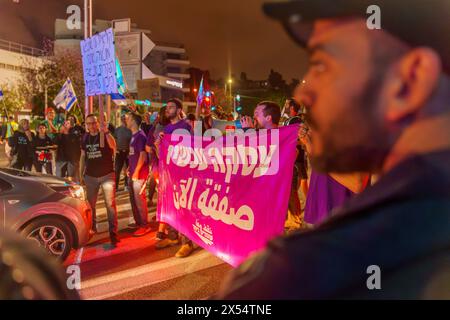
[{"x": 218, "y": 35}]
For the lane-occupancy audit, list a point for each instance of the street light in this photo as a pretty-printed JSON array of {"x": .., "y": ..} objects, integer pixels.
[{"x": 230, "y": 81}]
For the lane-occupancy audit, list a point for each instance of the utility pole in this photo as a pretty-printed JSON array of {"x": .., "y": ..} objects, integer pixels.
[{"x": 89, "y": 101}]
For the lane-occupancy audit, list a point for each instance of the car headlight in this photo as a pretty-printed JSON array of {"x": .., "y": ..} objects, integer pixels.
[{"x": 77, "y": 192}]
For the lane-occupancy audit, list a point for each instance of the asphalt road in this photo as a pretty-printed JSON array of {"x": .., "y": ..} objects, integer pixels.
[{"x": 135, "y": 269}]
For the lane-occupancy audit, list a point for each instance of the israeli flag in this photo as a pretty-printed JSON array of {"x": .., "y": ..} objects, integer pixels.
[
  {"x": 1, "y": 95},
  {"x": 66, "y": 97}
]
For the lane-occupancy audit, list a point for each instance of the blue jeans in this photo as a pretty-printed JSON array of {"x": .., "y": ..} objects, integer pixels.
[
  {"x": 138, "y": 202},
  {"x": 108, "y": 185},
  {"x": 68, "y": 169}
]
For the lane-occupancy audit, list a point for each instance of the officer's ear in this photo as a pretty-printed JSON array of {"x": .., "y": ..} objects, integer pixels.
[{"x": 412, "y": 83}]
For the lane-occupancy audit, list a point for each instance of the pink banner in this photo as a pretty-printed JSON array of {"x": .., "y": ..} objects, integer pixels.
[{"x": 230, "y": 194}]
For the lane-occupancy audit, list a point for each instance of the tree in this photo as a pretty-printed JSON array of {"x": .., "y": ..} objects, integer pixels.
[
  {"x": 276, "y": 80},
  {"x": 12, "y": 101},
  {"x": 292, "y": 85},
  {"x": 51, "y": 72},
  {"x": 244, "y": 76},
  {"x": 220, "y": 99}
]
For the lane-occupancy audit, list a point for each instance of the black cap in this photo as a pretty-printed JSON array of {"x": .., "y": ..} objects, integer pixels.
[{"x": 417, "y": 22}]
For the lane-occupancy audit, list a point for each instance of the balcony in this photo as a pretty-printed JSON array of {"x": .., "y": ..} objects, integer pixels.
[
  {"x": 20, "y": 48},
  {"x": 177, "y": 62},
  {"x": 169, "y": 47}
]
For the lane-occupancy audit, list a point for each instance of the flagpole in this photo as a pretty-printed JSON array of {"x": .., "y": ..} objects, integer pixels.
[
  {"x": 197, "y": 109},
  {"x": 102, "y": 121},
  {"x": 6, "y": 110},
  {"x": 88, "y": 101}
]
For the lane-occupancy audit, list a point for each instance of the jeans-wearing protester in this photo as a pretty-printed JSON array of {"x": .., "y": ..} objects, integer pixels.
[
  {"x": 123, "y": 138},
  {"x": 138, "y": 172},
  {"x": 98, "y": 169}
]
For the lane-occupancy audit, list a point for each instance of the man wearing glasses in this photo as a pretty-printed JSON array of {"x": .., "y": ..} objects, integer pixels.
[{"x": 97, "y": 169}]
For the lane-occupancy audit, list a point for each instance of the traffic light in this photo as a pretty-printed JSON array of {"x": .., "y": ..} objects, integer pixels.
[{"x": 237, "y": 104}]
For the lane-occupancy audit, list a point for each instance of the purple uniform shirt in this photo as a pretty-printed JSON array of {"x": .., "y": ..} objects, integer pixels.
[
  {"x": 182, "y": 124},
  {"x": 324, "y": 194},
  {"x": 137, "y": 145}
]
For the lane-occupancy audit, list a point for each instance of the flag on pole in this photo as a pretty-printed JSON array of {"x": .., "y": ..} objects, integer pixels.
[
  {"x": 66, "y": 97},
  {"x": 201, "y": 93},
  {"x": 119, "y": 97},
  {"x": 1, "y": 95}
]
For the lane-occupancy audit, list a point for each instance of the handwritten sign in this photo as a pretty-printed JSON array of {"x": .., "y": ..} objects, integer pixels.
[
  {"x": 99, "y": 66},
  {"x": 230, "y": 195}
]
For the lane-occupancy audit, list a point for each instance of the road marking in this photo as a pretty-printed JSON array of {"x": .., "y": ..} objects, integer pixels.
[
  {"x": 143, "y": 276},
  {"x": 79, "y": 256}
]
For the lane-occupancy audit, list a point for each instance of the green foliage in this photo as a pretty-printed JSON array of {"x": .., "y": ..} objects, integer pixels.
[
  {"x": 51, "y": 72},
  {"x": 12, "y": 101}
]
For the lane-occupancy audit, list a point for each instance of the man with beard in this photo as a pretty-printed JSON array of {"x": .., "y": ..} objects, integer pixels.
[
  {"x": 98, "y": 172},
  {"x": 378, "y": 101},
  {"x": 173, "y": 113},
  {"x": 267, "y": 115}
]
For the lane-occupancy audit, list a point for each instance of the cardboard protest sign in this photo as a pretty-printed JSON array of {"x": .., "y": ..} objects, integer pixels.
[{"x": 99, "y": 65}]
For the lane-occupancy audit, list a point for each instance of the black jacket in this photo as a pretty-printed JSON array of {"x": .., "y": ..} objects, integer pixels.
[{"x": 401, "y": 224}]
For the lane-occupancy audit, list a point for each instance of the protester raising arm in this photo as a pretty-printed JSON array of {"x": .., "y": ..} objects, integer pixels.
[{"x": 109, "y": 138}]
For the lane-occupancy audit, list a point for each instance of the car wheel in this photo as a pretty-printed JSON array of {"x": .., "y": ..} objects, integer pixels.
[{"x": 52, "y": 234}]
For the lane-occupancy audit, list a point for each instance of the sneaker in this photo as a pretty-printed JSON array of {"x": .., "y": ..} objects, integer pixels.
[
  {"x": 142, "y": 231},
  {"x": 132, "y": 225},
  {"x": 185, "y": 250},
  {"x": 161, "y": 244}
]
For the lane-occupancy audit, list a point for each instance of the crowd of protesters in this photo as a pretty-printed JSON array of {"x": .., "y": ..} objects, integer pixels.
[{"x": 69, "y": 150}]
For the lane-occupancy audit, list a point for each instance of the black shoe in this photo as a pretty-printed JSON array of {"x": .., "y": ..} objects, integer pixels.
[{"x": 114, "y": 240}]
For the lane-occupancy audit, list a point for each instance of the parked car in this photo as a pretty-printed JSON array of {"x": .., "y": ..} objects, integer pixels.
[{"x": 46, "y": 209}]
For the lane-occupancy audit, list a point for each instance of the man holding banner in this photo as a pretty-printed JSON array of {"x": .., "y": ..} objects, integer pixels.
[
  {"x": 229, "y": 194},
  {"x": 173, "y": 113}
]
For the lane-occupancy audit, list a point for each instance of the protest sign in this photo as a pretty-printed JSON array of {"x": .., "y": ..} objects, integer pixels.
[
  {"x": 99, "y": 65},
  {"x": 230, "y": 195}
]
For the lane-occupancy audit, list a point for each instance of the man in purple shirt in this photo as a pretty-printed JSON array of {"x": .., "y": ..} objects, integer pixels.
[
  {"x": 138, "y": 173},
  {"x": 173, "y": 113}
]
